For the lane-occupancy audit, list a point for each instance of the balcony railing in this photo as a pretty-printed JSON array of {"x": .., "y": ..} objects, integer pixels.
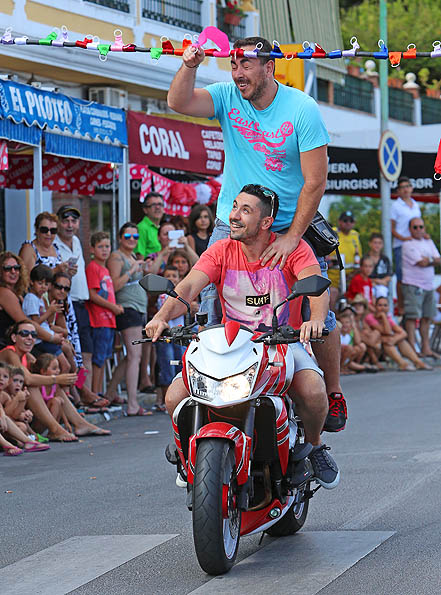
[
  {"x": 233, "y": 31},
  {"x": 122, "y": 5},
  {"x": 356, "y": 93},
  {"x": 185, "y": 14},
  {"x": 400, "y": 105},
  {"x": 431, "y": 110}
]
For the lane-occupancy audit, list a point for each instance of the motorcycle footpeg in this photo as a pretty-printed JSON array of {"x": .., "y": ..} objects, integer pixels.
[
  {"x": 301, "y": 451},
  {"x": 171, "y": 454}
]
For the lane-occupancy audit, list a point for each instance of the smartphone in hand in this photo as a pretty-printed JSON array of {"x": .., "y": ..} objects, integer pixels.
[{"x": 173, "y": 236}]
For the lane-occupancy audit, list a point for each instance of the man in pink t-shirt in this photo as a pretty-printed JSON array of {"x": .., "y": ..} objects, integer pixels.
[
  {"x": 247, "y": 289},
  {"x": 419, "y": 255}
]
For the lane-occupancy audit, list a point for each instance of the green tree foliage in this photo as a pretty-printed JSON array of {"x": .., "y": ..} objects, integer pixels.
[
  {"x": 409, "y": 21},
  {"x": 367, "y": 214}
]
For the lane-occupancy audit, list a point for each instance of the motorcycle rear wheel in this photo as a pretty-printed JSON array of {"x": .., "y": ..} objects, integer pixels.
[
  {"x": 216, "y": 538},
  {"x": 294, "y": 519}
]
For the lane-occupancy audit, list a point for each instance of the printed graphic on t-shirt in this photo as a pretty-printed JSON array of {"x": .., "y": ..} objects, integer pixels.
[
  {"x": 104, "y": 287},
  {"x": 267, "y": 142},
  {"x": 248, "y": 297}
]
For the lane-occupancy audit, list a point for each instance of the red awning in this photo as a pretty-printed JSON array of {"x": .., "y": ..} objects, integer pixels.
[{"x": 163, "y": 142}]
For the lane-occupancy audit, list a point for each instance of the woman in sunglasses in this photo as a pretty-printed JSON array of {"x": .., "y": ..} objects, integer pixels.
[
  {"x": 21, "y": 337},
  {"x": 14, "y": 282},
  {"x": 126, "y": 271}
]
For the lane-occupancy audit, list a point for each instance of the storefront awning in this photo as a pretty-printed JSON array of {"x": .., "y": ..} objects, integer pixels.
[
  {"x": 169, "y": 143},
  {"x": 72, "y": 127}
]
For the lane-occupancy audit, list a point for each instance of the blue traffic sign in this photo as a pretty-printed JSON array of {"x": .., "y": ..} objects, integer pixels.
[{"x": 389, "y": 156}]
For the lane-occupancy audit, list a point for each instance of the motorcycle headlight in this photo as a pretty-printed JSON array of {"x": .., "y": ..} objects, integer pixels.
[{"x": 228, "y": 389}]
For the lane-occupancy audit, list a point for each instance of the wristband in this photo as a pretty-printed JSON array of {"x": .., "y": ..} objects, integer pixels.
[{"x": 191, "y": 67}]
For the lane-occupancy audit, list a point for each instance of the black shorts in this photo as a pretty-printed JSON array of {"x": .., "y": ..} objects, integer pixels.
[
  {"x": 84, "y": 328},
  {"x": 129, "y": 319}
]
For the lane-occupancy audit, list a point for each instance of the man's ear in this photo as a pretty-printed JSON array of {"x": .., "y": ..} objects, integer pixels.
[
  {"x": 270, "y": 68},
  {"x": 266, "y": 223}
]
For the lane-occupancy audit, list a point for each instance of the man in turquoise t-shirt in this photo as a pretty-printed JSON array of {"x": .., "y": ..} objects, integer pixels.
[{"x": 274, "y": 136}]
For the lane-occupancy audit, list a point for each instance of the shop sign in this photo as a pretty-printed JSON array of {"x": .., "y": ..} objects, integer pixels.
[
  {"x": 356, "y": 171},
  {"x": 57, "y": 112},
  {"x": 164, "y": 142}
]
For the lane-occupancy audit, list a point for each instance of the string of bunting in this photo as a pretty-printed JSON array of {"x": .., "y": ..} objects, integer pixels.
[{"x": 60, "y": 38}]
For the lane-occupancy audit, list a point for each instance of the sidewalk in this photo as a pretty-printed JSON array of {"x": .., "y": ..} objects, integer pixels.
[{"x": 116, "y": 412}]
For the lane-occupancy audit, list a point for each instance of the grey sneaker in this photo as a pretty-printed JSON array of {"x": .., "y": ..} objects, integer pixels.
[
  {"x": 180, "y": 481},
  {"x": 326, "y": 472}
]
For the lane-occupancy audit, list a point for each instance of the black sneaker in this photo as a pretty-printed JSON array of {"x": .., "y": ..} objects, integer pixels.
[
  {"x": 337, "y": 414},
  {"x": 302, "y": 472},
  {"x": 325, "y": 468}
]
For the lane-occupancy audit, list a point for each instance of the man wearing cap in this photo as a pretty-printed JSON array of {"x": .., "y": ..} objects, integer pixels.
[
  {"x": 349, "y": 247},
  {"x": 71, "y": 252}
]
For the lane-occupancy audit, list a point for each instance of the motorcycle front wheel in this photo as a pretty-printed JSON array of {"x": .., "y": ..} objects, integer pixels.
[
  {"x": 216, "y": 518},
  {"x": 295, "y": 518}
]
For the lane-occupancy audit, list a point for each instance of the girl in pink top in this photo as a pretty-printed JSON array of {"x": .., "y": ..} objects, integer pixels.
[
  {"x": 394, "y": 338},
  {"x": 47, "y": 364}
]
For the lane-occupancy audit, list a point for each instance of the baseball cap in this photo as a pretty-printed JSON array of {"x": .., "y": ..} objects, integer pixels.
[
  {"x": 68, "y": 211},
  {"x": 347, "y": 215}
]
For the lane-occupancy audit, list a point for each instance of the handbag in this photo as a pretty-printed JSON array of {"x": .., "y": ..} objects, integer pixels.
[{"x": 322, "y": 238}]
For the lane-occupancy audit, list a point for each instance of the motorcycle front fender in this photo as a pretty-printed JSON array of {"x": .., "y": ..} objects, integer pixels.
[{"x": 225, "y": 431}]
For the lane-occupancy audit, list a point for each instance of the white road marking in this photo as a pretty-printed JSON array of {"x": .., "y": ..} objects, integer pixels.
[
  {"x": 299, "y": 565},
  {"x": 70, "y": 564}
]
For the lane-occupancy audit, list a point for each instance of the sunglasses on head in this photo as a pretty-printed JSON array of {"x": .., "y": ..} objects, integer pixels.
[
  {"x": 11, "y": 267},
  {"x": 269, "y": 194},
  {"x": 417, "y": 226},
  {"x": 127, "y": 236},
  {"x": 65, "y": 288},
  {"x": 25, "y": 333},
  {"x": 44, "y": 229},
  {"x": 70, "y": 214}
]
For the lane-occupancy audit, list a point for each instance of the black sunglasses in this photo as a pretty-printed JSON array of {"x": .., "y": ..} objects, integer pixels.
[
  {"x": 25, "y": 333},
  {"x": 65, "y": 288},
  {"x": 11, "y": 267},
  {"x": 127, "y": 236},
  {"x": 44, "y": 229},
  {"x": 417, "y": 226},
  {"x": 347, "y": 220}
]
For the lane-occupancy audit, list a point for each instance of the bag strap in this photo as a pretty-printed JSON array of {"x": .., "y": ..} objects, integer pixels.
[{"x": 340, "y": 262}]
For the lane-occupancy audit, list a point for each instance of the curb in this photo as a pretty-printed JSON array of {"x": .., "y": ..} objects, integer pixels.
[{"x": 118, "y": 411}]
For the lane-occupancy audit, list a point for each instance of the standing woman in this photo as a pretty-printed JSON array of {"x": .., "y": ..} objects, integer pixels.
[
  {"x": 201, "y": 224},
  {"x": 126, "y": 271}
]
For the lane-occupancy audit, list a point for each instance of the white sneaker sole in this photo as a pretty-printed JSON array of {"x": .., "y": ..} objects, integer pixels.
[
  {"x": 329, "y": 486},
  {"x": 180, "y": 482}
]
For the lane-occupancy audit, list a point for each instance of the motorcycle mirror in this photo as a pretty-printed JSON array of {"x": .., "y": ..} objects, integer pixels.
[
  {"x": 157, "y": 284},
  {"x": 312, "y": 286}
]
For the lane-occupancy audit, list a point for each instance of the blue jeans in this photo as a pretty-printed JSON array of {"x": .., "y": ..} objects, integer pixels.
[
  {"x": 164, "y": 353},
  {"x": 210, "y": 302}
]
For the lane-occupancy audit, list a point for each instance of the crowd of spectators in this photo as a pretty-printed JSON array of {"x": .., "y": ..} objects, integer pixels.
[
  {"x": 371, "y": 337},
  {"x": 62, "y": 323}
]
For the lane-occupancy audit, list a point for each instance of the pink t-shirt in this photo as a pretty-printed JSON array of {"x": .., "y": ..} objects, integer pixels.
[
  {"x": 372, "y": 321},
  {"x": 412, "y": 252},
  {"x": 99, "y": 278},
  {"x": 248, "y": 291}
]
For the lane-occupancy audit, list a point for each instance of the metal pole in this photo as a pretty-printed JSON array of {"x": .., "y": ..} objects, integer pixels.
[
  {"x": 38, "y": 178},
  {"x": 114, "y": 240},
  {"x": 384, "y": 184}
]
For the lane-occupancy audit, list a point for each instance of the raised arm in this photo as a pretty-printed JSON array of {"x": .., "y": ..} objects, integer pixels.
[{"x": 182, "y": 95}]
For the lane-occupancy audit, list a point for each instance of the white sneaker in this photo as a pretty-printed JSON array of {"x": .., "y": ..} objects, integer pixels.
[{"x": 180, "y": 481}]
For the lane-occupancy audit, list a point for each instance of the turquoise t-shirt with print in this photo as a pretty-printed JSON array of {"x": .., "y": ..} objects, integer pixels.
[{"x": 264, "y": 146}]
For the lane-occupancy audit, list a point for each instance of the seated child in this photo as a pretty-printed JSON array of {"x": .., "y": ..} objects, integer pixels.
[
  {"x": 101, "y": 306},
  {"x": 14, "y": 398},
  {"x": 9, "y": 427},
  {"x": 394, "y": 337},
  {"x": 35, "y": 307},
  {"x": 352, "y": 347},
  {"x": 47, "y": 364}
]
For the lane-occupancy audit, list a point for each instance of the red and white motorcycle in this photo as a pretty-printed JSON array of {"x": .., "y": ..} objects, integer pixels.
[{"x": 239, "y": 444}]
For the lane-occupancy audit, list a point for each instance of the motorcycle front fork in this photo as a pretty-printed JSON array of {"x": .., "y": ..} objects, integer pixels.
[{"x": 245, "y": 491}]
